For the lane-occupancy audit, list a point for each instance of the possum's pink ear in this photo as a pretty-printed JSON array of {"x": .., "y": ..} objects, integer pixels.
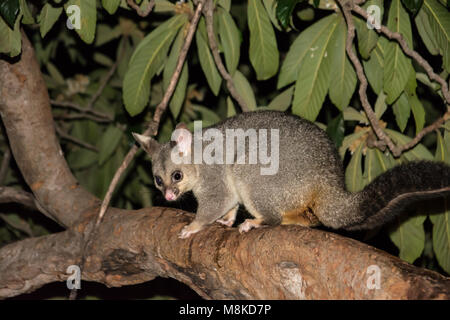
[
  {"x": 182, "y": 138},
  {"x": 149, "y": 144}
]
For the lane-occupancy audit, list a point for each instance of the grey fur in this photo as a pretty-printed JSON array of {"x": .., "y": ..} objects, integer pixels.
[{"x": 308, "y": 186}]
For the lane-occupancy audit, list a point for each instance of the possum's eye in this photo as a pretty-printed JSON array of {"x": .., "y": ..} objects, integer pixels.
[
  {"x": 158, "y": 181},
  {"x": 177, "y": 176}
]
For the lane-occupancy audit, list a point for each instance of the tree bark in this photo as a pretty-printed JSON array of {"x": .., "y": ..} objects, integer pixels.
[{"x": 283, "y": 262}]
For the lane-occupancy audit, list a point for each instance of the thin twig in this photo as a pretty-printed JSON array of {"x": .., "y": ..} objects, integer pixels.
[
  {"x": 145, "y": 12},
  {"x": 100, "y": 116},
  {"x": 346, "y": 9},
  {"x": 152, "y": 129},
  {"x": 209, "y": 17},
  {"x": 396, "y": 150},
  {"x": 13, "y": 195},
  {"x": 64, "y": 135},
  {"x": 107, "y": 77},
  {"x": 81, "y": 116},
  {"x": 5, "y": 165}
]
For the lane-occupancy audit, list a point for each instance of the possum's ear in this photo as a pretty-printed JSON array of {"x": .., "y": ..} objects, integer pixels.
[
  {"x": 182, "y": 138},
  {"x": 149, "y": 144}
]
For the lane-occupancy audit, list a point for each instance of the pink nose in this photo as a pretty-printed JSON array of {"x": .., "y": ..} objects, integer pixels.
[{"x": 170, "y": 195}]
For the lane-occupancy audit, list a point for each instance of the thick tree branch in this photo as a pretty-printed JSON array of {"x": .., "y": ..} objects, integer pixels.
[
  {"x": 26, "y": 114},
  {"x": 283, "y": 262}
]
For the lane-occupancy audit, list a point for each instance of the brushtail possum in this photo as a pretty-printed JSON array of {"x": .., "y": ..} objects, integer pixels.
[{"x": 303, "y": 182}]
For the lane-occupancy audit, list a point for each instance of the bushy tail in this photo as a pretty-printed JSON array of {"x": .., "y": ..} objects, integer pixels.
[{"x": 387, "y": 195}]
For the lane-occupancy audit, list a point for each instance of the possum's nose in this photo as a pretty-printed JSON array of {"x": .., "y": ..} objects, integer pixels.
[{"x": 171, "y": 195}]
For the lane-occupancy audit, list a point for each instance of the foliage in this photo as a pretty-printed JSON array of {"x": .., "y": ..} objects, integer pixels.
[{"x": 285, "y": 55}]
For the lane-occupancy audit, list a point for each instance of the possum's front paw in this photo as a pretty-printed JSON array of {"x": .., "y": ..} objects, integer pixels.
[
  {"x": 189, "y": 230},
  {"x": 249, "y": 224}
]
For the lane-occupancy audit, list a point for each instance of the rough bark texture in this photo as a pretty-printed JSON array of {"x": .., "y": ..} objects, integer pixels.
[
  {"x": 26, "y": 114},
  {"x": 284, "y": 262}
]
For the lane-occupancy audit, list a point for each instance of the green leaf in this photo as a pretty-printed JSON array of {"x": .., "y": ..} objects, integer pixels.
[
  {"x": 402, "y": 111},
  {"x": 245, "y": 90},
  {"x": 353, "y": 173},
  {"x": 226, "y": 4},
  {"x": 343, "y": 78},
  {"x": 47, "y": 18},
  {"x": 374, "y": 67},
  {"x": 9, "y": 9},
  {"x": 282, "y": 101},
  {"x": 419, "y": 152},
  {"x": 81, "y": 158},
  {"x": 55, "y": 74},
  {"x": 263, "y": 50},
  {"x": 231, "y": 109},
  {"x": 335, "y": 130},
  {"x": 418, "y": 111},
  {"x": 206, "y": 59},
  {"x": 409, "y": 237},
  {"x": 426, "y": 32},
  {"x": 439, "y": 19},
  {"x": 302, "y": 47},
  {"x": 84, "y": 12},
  {"x": 441, "y": 236},
  {"x": 367, "y": 38},
  {"x": 106, "y": 34},
  {"x": 284, "y": 11},
  {"x": 441, "y": 221},
  {"x": 376, "y": 162},
  {"x": 351, "y": 138},
  {"x": 314, "y": 76},
  {"x": 380, "y": 105},
  {"x": 442, "y": 149},
  {"x": 27, "y": 15},
  {"x": 397, "y": 65},
  {"x": 10, "y": 40},
  {"x": 351, "y": 114},
  {"x": 324, "y": 4},
  {"x": 111, "y": 5},
  {"x": 209, "y": 117},
  {"x": 230, "y": 39},
  {"x": 163, "y": 6},
  {"x": 108, "y": 143},
  {"x": 177, "y": 100},
  {"x": 147, "y": 59},
  {"x": 413, "y": 6},
  {"x": 271, "y": 8}
]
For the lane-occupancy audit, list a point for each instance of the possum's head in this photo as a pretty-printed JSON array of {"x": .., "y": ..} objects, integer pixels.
[{"x": 172, "y": 168}]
